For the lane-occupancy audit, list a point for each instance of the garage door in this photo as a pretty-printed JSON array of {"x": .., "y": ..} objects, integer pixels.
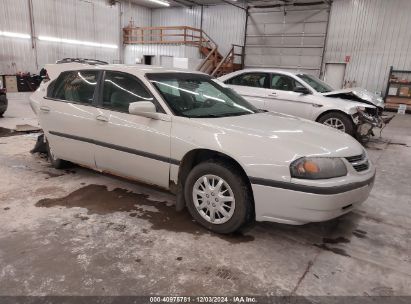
[{"x": 293, "y": 39}]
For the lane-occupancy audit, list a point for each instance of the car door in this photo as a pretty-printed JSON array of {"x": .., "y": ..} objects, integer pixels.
[
  {"x": 284, "y": 99},
  {"x": 253, "y": 86},
  {"x": 130, "y": 145},
  {"x": 67, "y": 115}
]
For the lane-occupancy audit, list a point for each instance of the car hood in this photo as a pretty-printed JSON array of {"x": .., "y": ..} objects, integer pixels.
[
  {"x": 357, "y": 94},
  {"x": 278, "y": 136}
]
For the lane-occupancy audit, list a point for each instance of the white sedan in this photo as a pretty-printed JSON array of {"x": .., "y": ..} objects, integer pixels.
[
  {"x": 227, "y": 161},
  {"x": 353, "y": 111}
]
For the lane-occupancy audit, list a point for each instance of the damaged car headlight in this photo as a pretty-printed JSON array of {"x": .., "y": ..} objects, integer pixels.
[
  {"x": 371, "y": 118},
  {"x": 317, "y": 168},
  {"x": 362, "y": 112}
]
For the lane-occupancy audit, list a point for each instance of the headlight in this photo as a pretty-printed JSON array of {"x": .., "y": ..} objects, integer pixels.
[{"x": 317, "y": 168}]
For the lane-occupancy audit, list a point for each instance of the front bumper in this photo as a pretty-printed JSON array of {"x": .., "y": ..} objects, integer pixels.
[{"x": 309, "y": 203}]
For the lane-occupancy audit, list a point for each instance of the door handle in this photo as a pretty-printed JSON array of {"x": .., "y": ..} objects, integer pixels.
[
  {"x": 315, "y": 105},
  {"x": 45, "y": 109},
  {"x": 273, "y": 94},
  {"x": 102, "y": 118}
]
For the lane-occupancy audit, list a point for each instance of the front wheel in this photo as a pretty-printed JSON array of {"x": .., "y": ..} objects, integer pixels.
[
  {"x": 338, "y": 121},
  {"x": 218, "y": 197}
]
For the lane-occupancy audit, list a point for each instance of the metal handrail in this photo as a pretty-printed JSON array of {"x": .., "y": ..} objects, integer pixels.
[{"x": 148, "y": 35}]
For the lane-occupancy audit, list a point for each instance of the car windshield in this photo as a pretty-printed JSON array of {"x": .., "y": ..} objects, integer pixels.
[
  {"x": 196, "y": 95},
  {"x": 315, "y": 83}
]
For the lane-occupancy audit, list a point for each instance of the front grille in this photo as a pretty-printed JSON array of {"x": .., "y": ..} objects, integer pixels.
[{"x": 359, "y": 162}]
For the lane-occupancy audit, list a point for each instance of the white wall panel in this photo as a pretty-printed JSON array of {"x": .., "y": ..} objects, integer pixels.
[
  {"x": 176, "y": 16},
  {"x": 223, "y": 23},
  {"x": 16, "y": 54},
  {"x": 93, "y": 21},
  {"x": 375, "y": 33},
  {"x": 133, "y": 52},
  {"x": 139, "y": 15},
  {"x": 88, "y": 20}
]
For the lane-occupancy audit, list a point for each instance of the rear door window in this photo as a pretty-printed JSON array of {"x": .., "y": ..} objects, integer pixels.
[
  {"x": 257, "y": 80},
  {"x": 76, "y": 86}
]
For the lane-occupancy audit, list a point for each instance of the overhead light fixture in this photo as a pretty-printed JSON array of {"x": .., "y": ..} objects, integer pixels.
[
  {"x": 77, "y": 42},
  {"x": 14, "y": 35},
  {"x": 160, "y": 2}
]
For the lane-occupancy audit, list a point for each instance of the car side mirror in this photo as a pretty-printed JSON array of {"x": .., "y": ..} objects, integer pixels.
[
  {"x": 302, "y": 90},
  {"x": 143, "y": 108},
  {"x": 147, "y": 109}
]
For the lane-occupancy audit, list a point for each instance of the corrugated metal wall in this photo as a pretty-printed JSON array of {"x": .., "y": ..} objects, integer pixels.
[
  {"x": 88, "y": 20},
  {"x": 79, "y": 20},
  {"x": 141, "y": 16},
  {"x": 223, "y": 23},
  {"x": 96, "y": 21},
  {"x": 375, "y": 33},
  {"x": 15, "y": 54},
  {"x": 176, "y": 16},
  {"x": 292, "y": 40}
]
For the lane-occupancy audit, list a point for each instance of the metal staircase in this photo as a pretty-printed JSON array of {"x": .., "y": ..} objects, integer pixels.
[{"x": 213, "y": 63}]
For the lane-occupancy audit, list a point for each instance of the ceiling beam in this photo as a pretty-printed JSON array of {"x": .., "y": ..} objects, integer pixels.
[
  {"x": 183, "y": 3},
  {"x": 192, "y": 2},
  {"x": 230, "y": 3},
  {"x": 286, "y": 3}
]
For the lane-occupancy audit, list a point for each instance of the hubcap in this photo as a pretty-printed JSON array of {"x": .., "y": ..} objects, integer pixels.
[
  {"x": 335, "y": 123},
  {"x": 213, "y": 199}
]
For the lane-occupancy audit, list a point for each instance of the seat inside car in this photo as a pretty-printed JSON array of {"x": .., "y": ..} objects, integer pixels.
[
  {"x": 119, "y": 100},
  {"x": 285, "y": 84}
]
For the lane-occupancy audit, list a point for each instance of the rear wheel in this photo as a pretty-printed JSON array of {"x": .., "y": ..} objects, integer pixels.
[
  {"x": 56, "y": 162},
  {"x": 338, "y": 121},
  {"x": 218, "y": 197}
]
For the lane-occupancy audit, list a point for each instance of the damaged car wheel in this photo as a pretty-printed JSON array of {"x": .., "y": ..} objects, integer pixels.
[{"x": 338, "y": 121}]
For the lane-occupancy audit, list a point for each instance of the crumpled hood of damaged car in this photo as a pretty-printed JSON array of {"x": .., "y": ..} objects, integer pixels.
[
  {"x": 360, "y": 93},
  {"x": 277, "y": 136}
]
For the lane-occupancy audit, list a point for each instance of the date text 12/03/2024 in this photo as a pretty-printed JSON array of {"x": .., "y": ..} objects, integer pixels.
[{"x": 204, "y": 299}]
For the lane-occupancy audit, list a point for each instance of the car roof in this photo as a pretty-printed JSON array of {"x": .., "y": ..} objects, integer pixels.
[
  {"x": 54, "y": 70},
  {"x": 269, "y": 70},
  {"x": 262, "y": 70}
]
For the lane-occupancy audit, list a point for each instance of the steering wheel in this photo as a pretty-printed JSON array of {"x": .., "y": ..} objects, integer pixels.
[{"x": 208, "y": 103}]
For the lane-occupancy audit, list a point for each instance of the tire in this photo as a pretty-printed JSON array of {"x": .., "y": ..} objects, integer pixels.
[
  {"x": 241, "y": 211},
  {"x": 56, "y": 163},
  {"x": 334, "y": 119}
]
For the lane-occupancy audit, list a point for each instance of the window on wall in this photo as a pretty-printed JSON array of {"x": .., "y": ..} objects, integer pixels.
[
  {"x": 284, "y": 83},
  {"x": 257, "y": 80},
  {"x": 121, "y": 89},
  {"x": 76, "y": 86}
]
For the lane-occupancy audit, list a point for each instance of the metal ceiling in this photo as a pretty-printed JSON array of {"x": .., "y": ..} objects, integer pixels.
[{"x": 240, "y": 3}]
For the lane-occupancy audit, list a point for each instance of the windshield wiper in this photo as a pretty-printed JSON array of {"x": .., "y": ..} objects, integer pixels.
[
  {"x": 203, "y": 116},
  {"x": 218, "y": 115}
]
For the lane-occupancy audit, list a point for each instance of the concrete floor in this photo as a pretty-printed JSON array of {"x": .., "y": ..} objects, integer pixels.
[{"x": 77, "y": 232}]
